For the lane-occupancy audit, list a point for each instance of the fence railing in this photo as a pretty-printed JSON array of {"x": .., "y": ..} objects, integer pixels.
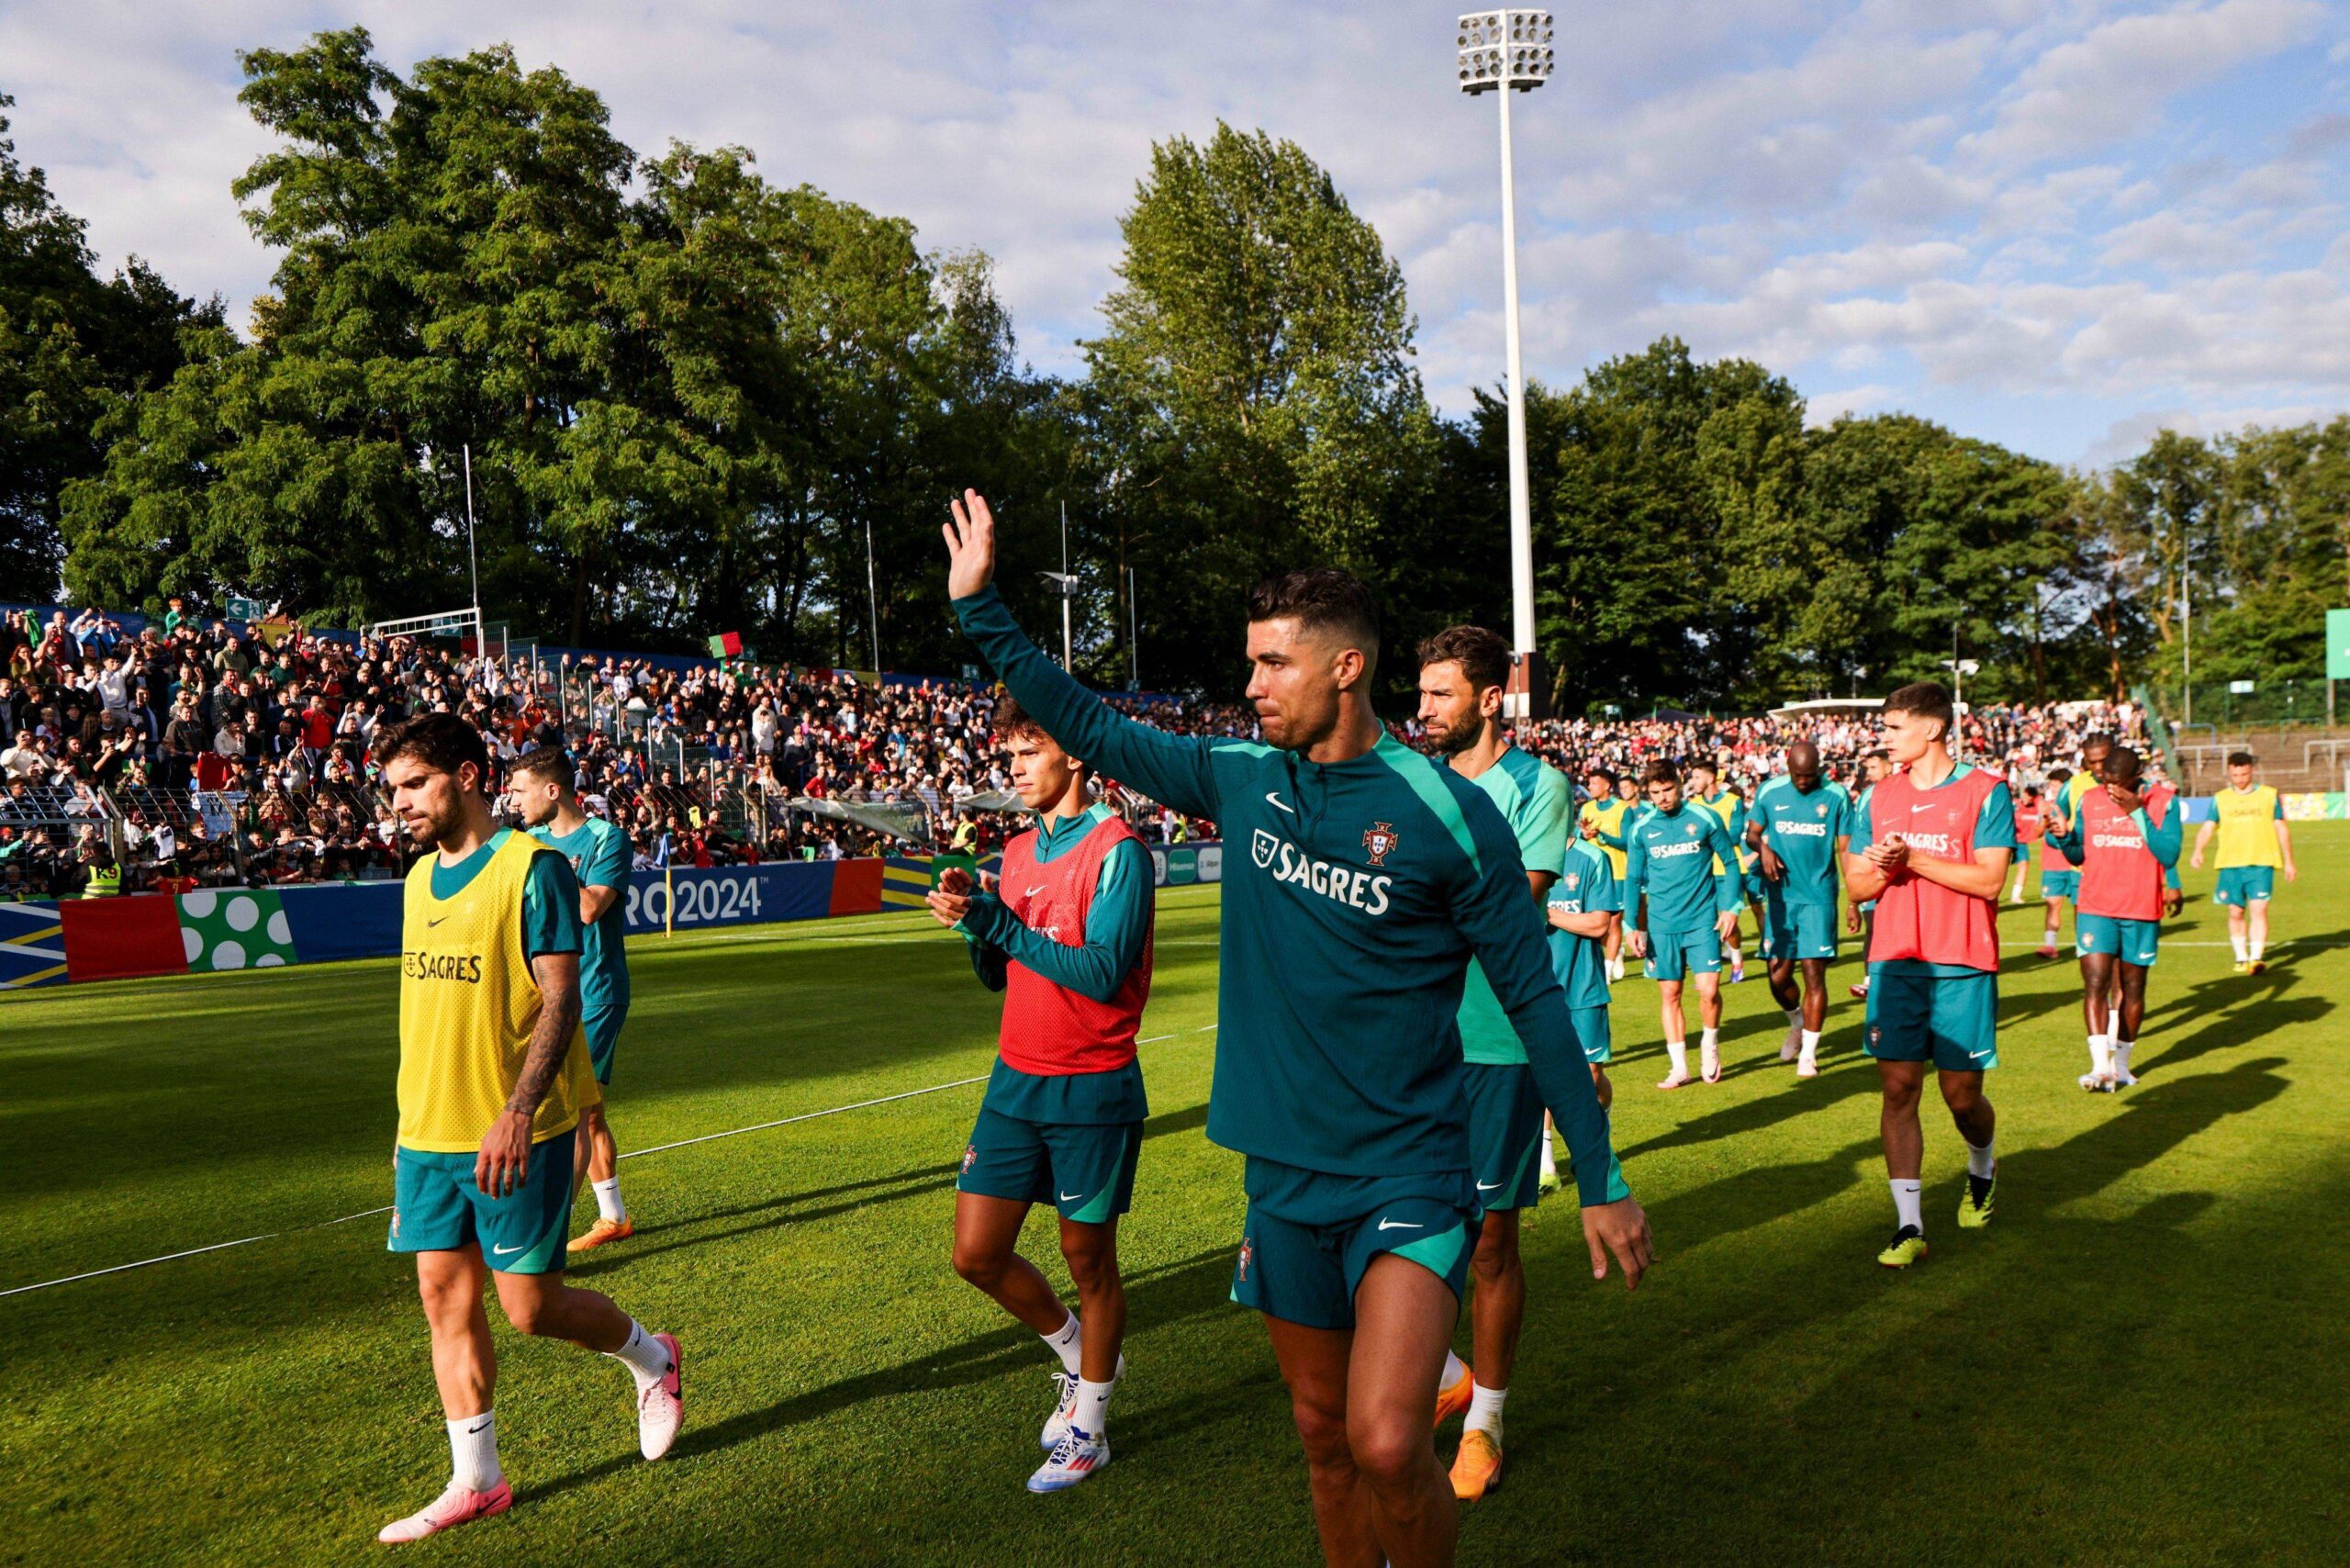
[{"x": 2270, "y": 702}]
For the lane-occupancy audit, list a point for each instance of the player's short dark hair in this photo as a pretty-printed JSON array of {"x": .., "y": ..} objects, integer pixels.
[
  {"x": 1322, "y": 599},
  {"x": 1011, "y": 719},
  {"x": 2129, "y": 761},
  {"x": 1707, "y": 763},
  {"x": 551, "y": 763},
  {"x": 1925, "y": 699},
  {"x": 2242, "y": 759},
  {"x": 442, "y": 742},
  {"x": 1483, "y": 656},
  {"x": 1597, "y": 772},
  {"x": 1663, "y": 770}
]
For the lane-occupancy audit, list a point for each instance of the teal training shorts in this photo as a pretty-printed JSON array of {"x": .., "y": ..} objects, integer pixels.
[
  {"x": 2241, "y": 885},
  {"x": 2132, "y": 941},
  {"x": 1952, "y": 1020},
  {"x": 1085, "y": 1171},
  {"x": 1505, "y": 1135},
  {"x": 603, "y": 1030},
  {"x": 437, "y": 1208},
  {"x": 2054, "y": 884},
  {"x": 1310, "y": 1237},
  {"x": 1672, "y": 954},
  {"x": 1593, "y": 1033},
  {"x": 1793, "y": 931}
]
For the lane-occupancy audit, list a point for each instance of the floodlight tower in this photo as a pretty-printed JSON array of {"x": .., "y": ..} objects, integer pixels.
[{"x": 1505, "y": 52}]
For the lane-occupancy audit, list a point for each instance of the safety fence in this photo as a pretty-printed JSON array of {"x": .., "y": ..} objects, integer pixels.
[{"x": 211, "y": 930}]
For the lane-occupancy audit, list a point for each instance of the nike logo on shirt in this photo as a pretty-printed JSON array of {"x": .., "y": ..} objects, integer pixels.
[
  {"x": 435, "y": 922},
  {"x": 1034, "y": 891},
  {"x": 1274, "y": 796},
  {"x": 1923, "y": 806},
  {"x": 1401, "y": 1225}
]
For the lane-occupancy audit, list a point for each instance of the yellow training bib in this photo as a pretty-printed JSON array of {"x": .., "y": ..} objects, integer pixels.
[
  {"x": 468, "y": 1005},
  {"x": 2247, "y": 827}
]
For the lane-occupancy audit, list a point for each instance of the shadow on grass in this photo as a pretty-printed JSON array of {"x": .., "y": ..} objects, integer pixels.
[
  {"x": 1155, "y": 1298},
  {"x": 792, "y": 1208}
]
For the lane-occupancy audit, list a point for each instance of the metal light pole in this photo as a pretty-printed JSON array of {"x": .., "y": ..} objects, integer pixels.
[
  {"x": 1505, "y": 52},
  {"x": 473, "y": 564},
  {"x": 872, "y": 599},
  {"x": 2187, "y": 644},
  {"x": 1959, "y": 669},
  {"x": 1069, "y": 585},
  {"x": 1134, "y": 634}
]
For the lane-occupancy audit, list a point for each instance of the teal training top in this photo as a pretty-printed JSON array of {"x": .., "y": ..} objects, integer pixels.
[
  {"x": 1531, "y": 796},
  {"x": 1115, "y": 921},
  {"x": 598, "y": 854},
  {"x": 550, "y": 895},
  {"x": 1587, "y": 885},
  {"x": 1354, "y": 894},
  {"x": 1802, "y": 830},
  {"x": 1670, "y": 857}
]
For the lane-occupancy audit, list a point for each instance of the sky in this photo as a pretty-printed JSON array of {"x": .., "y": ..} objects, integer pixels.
[{"x": 2056, "y": 224}]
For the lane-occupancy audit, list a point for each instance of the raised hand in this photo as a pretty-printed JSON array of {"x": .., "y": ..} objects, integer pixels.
[{"x": 970, "y": 546}]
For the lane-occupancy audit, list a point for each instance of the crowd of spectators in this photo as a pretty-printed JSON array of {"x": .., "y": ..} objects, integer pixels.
[{"x": 214, "y": 753}]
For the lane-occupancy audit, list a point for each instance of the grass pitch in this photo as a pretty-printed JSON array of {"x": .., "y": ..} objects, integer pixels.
[{"x": 2140, "y": 1360}]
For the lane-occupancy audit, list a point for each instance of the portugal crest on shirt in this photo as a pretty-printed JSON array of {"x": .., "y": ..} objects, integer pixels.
[
  {"x": 1378, "y": 840},
  {"x": 1574, "y": 880},
  {"x": 1821, "y": 808}
]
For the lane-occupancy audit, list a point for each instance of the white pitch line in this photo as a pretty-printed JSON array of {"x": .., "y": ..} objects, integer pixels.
[{"x": 632, "y": 1154}]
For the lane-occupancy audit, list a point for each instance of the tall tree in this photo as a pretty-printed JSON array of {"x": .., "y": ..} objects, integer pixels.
[{"x": 1255, "y": 399}]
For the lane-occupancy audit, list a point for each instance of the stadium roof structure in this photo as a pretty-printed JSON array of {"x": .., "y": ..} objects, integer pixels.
[{"x": 1829, "y": 707}]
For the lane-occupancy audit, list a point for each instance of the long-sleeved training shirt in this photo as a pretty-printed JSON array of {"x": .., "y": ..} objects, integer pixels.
[
  {"x": 1355, "y": 893},
  {"x": 1669, "y": 856}
]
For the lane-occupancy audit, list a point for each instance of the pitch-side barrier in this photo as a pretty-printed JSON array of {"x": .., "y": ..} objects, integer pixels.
[{"x": 44, "y": 942}]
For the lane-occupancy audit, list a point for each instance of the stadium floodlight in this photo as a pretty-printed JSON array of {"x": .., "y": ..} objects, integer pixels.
[
  {"x": 1959, "y": 670},
  {"x": 1496, "y": 50}
]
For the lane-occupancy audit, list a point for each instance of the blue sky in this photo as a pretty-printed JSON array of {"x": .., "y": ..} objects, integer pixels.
[{"x": 2059, "y": 224}]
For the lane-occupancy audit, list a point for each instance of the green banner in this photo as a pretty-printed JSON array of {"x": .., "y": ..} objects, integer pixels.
[{"x": 2337, "y": 644}]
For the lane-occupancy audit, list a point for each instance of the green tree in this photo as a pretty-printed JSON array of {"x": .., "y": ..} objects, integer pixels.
[
  {"x": 1253, "y": 402},
  {"x": 70, "y": 348}
]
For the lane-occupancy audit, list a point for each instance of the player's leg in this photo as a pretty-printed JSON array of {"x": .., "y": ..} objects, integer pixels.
[
  {"x": 2255, "y": 913},
  {"x": 1904, "y": 1155},
  {"x": 1404, "y": 1317},
  {"x": 1868, "y": 940},
  {"x": 1971, "y": 1111},
  {"x": 1006, "y": 1167},
  {"x": 1781, "y": 973},
  {"x": 1092, "y": 1185},
  {"x": 597, "y": 1159},
  {"x": 1814, "y": 1016},
  {"x": 465, "y": 1368},
  {"x": 1676, "y": 1041},
  {"x": 2240, "y": 933},
  {"x": 2096, "y": 984},
  {"x": 522, "y": 1234},
  {"x": 1615, "y": 949},
  {"x": 2131, "y": 980},
  {"x": 2052, "y": 919},
  {"x": 1709, "y": 1023},
  {"x": 1313, "y": 1363},
  {"x": 1496, "y": 1317}
]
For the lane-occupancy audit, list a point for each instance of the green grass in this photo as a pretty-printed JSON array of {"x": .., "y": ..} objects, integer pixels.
[{"x": 2141, "y": 1360}]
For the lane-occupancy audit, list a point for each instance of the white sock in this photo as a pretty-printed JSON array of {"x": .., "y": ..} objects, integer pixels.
[
  {"x": 1550, "y": 1156},
  {"x": 1710, "y": 1039},
  {"x": 2121, "y": 1049},
  {"x": 2259, "y": 947},
  {"x": 1795, "y": 1016},
  {"x": 1485, "y": 1410},
  {"x": 1677, "y": 1053},
  {"x": 2240, "y": 943},
  {"x": 1909, "y": 1204},
  {"x": 647, "y": 1358},
  {"x": 2047, "y": 934},
  {"x": 1454, "y": 1370},
  {"x": 1979, "y": 1162},
  {"x": 2101, "y": 1055},
  {"x": 1810, "y": 1044},
  {"x": 473, "y": 1453},
  {"x": 1092, "y": 1414},
  {"x": 1066, "y": 1342},
  {"x": 608, "y": 1200}
]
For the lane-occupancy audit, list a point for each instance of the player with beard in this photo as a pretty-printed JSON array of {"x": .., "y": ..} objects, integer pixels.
[
  {"x": 1365, "y": 878},
  {"x": 493, "y": 1073},
  {"x": 1462, "y": 673}
]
